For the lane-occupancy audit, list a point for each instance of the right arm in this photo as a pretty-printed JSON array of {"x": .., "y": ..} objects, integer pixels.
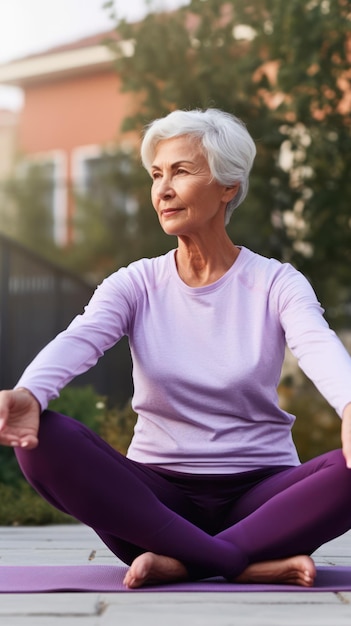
[{"x": 78, "y": 348}]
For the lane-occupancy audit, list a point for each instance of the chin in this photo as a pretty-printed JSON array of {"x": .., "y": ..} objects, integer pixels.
[{"x": 167, "y": 228}]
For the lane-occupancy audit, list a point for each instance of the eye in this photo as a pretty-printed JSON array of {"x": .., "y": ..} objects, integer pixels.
[
  {"x": 155, "y": 175},
  {"x": 181, "y": 171}
]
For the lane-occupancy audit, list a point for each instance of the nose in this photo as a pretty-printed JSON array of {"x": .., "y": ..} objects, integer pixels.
[{"x": 164, "y": 188}]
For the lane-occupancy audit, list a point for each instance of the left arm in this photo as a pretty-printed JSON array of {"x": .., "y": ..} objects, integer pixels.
[{"x": 319, "y": 351}]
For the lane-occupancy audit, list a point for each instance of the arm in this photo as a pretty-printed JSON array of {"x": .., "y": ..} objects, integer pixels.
[
  {"x": 78, "y": 348},
  {"x": 320, "y": 353}
]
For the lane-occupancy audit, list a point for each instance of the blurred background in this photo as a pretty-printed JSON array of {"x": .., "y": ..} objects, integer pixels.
[{"x": 79, "y": 79}]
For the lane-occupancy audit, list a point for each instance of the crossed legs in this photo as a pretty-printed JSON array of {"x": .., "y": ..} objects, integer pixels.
[{"x": 151, "y": 525}]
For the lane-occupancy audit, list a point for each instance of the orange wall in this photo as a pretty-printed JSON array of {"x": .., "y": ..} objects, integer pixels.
[{"x": 71, "y": 112}]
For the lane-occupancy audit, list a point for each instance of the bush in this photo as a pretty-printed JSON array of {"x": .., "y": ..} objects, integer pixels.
[
  {"x": 117, "y": 427},
  {"x": 81, "y": 403},
  {"x": 21, "y": 505},
  {"x": 317, "y": 426}
]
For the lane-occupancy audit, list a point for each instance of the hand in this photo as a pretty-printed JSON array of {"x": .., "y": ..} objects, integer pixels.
[
  {"x": 346, "y": 434},
  {"x": 19, "y": 418}
]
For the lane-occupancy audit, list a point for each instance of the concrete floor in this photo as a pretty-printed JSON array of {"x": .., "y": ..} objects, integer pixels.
[{"x": 75, "y": 545}]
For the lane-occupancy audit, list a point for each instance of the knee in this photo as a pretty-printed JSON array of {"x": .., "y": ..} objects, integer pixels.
[
  {"x": 341, "y": 473},
  {"x": 336, "y": 458},
  {"x": 55, "y": 432}
]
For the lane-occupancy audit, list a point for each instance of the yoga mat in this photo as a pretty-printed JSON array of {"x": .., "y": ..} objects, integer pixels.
[{"x": 109, "y": 578}]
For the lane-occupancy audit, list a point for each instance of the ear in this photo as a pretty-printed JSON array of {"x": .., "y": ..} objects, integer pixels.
[{"x": 230, "y": 192}]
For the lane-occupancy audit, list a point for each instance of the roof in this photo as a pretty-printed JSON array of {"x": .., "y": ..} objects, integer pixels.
[
  {"x": 83, "y": 42},
  {"x": 83, "y": 55}
]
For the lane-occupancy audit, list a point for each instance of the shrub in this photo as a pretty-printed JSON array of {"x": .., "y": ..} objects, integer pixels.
[
  {"x": 317, "y": 426},
  {"x": 81, "y": 403},
  {"x": 21, "y": 505}
]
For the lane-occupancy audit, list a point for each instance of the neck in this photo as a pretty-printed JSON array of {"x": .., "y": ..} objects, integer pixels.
[{"x": 201, "y": 264}]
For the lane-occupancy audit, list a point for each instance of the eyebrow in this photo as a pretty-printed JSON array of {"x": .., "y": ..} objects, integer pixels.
[{"x": 154, "y": 166}]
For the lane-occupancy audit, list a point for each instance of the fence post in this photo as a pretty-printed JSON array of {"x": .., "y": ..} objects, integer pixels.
[{"x": 4, "y": 308}]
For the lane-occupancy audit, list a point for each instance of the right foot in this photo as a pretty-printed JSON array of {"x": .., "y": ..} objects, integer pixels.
[
  {"x": 152, "y": 569},
  {"x": 296, "y": 570}
]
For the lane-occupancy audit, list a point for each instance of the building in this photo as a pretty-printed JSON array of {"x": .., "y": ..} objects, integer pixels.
[
  {"x": 8, "y": 141},
  {"x": 70, "y": 121}
]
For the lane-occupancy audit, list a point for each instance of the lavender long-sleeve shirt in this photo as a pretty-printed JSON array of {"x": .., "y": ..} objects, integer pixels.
[{"x": 206, "y": 361}]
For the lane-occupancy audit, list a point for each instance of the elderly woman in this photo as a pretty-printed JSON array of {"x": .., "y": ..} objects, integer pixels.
[{"x": 212, "y": 484}]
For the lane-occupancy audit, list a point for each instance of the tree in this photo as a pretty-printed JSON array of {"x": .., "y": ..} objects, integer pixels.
[
  {"x": 284, "y": 69},
  {"x": 26, "y": 211},
  {"x": 311, "y": 46}
]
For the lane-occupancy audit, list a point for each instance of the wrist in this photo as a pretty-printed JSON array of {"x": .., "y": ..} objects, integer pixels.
[
  {"x": 28, "y": 392},
  {"x": 347, "y": 412}
]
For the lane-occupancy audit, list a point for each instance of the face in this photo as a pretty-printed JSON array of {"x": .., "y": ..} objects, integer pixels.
[{"x": 184, "y": 194}]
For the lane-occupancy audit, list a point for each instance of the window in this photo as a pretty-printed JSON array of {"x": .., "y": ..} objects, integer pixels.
[
  {"x": 103, "y": 177},
  {"x": 46, "y": 182}
]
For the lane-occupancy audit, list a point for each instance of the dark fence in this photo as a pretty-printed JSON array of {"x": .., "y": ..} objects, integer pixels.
[{"x": 37, "y": 300}]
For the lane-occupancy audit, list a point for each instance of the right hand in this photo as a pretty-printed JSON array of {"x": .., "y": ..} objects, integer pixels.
[{"x": 19, "y": 418}]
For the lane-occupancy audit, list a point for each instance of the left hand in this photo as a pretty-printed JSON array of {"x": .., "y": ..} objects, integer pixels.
[{"x": 346, "y": 434}]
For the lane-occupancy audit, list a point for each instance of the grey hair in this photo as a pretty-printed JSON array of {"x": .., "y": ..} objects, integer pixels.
[{"x": 227, "y": 145}]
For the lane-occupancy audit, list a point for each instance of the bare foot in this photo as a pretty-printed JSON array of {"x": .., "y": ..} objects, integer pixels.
[
  {"x": 150, "y": 568},
  {"x": 297, "y": 570}
]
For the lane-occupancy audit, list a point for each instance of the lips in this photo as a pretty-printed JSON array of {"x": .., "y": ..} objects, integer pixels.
[{"x": 170, "y": 211}]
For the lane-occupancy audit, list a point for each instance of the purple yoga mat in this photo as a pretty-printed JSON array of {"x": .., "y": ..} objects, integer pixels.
[{"x": 109, "y": 578}]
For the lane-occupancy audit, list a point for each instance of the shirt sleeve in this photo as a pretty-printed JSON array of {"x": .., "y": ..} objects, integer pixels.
[
  {"x": 320, "y": 353},
  {"x": 105, "y": 320}
]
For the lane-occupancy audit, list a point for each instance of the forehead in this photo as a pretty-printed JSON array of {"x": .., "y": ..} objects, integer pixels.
[{"x": 175, "y": 149}]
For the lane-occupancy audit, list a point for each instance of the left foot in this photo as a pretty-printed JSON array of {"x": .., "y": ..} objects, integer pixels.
[
  {"x": 298, "y": 570},
  {"x": 152, "y": 569}
]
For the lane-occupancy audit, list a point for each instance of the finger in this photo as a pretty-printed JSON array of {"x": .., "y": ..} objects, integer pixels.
[
  {"x": 3, "y": 416},
  {"x": 14, "y": 441},
  {"x": 347, "y": 455},
  {"x": 346, "y": 448},
  {"x": 29, "y": 443},
  {"x": 4, "y": 409},
  {"x": 7, "y": 440}
]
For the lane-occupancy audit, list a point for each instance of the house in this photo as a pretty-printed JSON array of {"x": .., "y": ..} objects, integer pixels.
[
  {"x": 8, "y": 141},
  {"x": 71, "y": 117}
]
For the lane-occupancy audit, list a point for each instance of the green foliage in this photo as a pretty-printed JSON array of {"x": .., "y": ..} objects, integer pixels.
[
  {"x": 311, "y": 42},
  {"x": 30, "y": 218},
  {"x": 10, "y": 474},
  {"x": 113, "y": 424},
  {"x": 82, "y": 404},
  {"x": 117, "y": 427},
  {"x": 21, "y": 505},
  {"x": 317, "y": 427}
]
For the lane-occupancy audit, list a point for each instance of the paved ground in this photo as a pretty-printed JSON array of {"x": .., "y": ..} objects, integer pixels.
[{"x": 76, "y": 545}]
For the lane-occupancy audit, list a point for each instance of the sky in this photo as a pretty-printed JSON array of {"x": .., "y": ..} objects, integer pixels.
[{"x": 28, "y": 26}]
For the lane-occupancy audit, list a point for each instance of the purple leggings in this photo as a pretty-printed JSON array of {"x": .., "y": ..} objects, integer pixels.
[{"x": 215, "y": 525}]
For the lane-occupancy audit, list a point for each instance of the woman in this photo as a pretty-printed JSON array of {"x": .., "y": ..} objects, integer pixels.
[{"x": 212, "y": 484}]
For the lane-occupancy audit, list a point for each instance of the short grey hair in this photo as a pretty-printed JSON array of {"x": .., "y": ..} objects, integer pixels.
[{"x": 227, "y": 145}]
